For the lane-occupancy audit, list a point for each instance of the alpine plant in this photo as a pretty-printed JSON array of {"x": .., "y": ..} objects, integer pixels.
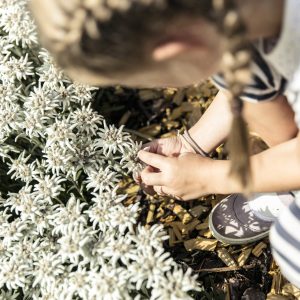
[{"x": 64, "y": 231}]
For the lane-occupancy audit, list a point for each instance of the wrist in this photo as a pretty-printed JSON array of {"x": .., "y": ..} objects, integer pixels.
[
  {"x": 220, "y": 182},
  {"x": 194, "y": 145}
]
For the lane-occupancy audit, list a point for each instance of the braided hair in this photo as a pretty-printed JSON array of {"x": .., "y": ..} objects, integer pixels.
[
  {"x": 106, "y": 36},
  {"x": 236, "y": 70}
]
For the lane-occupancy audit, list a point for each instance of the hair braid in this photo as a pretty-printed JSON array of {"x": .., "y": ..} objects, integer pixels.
[{"x": 236, "y": 69}]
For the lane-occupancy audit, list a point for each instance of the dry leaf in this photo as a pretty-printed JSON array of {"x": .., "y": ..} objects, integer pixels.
[
  {"x": 198, "y": 210},
  {"x": 226, "y": 258},
  {"x": 132, "y": 189},
  {"x": 243, "y": 257},
  {"x": 150, "y": 215},
  {"x": 181, "y": 212},
  {"x": 200, "y": 244},
  {"x": 258, "y": 249}
]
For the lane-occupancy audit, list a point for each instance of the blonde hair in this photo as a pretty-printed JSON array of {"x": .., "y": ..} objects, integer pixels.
[{"x": 107, "y": 36}]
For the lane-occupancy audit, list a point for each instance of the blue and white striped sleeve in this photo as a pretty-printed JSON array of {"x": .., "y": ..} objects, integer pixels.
[{"x": 266, "y": 83}]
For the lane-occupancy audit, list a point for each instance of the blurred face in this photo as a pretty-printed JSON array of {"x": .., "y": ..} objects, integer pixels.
[
  {"x": 188, "y": 50},
  {"x": 187, "y": 58}
]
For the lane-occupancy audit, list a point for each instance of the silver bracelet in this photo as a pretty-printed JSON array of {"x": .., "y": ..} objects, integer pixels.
[{"x": 187, "y": 137}]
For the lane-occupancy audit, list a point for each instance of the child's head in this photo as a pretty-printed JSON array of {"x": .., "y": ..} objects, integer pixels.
[
  {"x": 152, "y": 43},
  {"x": 132, "y": 42}
]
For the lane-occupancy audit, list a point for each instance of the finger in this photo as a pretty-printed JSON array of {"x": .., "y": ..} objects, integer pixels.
[
  {"x": 150, "y": 147},
  {"x": 159, "y": 190},
  {"x": 151, "y": 178},
  {"x": 152, "y": 159},
  {"x": 137, "y": 177},
  {"x": 148, "y": 189}
]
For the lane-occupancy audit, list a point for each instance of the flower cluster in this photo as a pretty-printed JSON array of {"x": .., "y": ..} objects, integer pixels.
[{"x": 64, "y": 231}]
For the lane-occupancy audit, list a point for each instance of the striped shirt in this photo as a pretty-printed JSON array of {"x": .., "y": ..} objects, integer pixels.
[
  {"x": 276, "y": 72},
  {"x": 266, "y": 83}
]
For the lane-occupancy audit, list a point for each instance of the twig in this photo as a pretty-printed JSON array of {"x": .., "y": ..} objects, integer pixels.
[{"x": 227, "y": 269}]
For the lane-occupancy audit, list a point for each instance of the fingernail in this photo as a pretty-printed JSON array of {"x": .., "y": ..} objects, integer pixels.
[{"x": 146, "y": 149}]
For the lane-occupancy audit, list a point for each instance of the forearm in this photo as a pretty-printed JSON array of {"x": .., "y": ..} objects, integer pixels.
[
  {"x": 213, "y": 127},
  {"x": 274, "y": 170}
]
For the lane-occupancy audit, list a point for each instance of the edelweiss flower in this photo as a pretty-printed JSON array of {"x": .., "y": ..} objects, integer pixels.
[
  {"x": 16, "y": 69},
  {"x": 41, "y": 101},
  {"x": 74, "y": 244},
  {"x": 48, "y": 188},
  {"x": 175, "y": 285},
  {"x": 25, "y": 204},
  {"x": 101, "y": 180},
  {"x": 46, "y": 269},
  {"x": 57, "y": 159},
  {"x": 149, "y": 267},
  {"x": 61, "y": 132},
  {"x": 20, "y": 169},
  {"x": 67, "y": 216},
  {"x": 87, "y": 121},
  {"x": 13, "y": 274},
  {"x": 110, "y": 283},
  {"x": 13, "y": 231},
  {"x": 112, "y": 139},
  {"x": 124, "y": 217}
]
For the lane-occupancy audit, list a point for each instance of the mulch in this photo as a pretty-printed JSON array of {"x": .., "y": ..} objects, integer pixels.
[{"x": 227, "y": 272}]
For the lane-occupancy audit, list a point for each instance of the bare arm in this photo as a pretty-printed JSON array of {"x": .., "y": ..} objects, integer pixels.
[
  {"x": 213, "y": 127},
  {"x": 272, "y": 120},
  {"x": 274, "y": 170},
  {"x": 190, "y": 176}
]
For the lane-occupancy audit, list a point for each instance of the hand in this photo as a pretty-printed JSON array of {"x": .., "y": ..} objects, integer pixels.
[
  {"x": 184, "y": 177},
  {"x": 171, "y": 147}
]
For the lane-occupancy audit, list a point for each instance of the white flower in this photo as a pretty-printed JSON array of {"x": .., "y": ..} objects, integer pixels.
[
  {"x": 46, "y": 269},
  {"x": 77, "y": 283},
  {"x": 41, "y": 101},
  {"x": 25, "y": 203},
  {"x": 108, "y": 197},
  {"x": 130, "y": 160},
  {"x": 57, "y": 159},
  {"x": 10, "y": 118},
  {"x": 125, "y": 217},
  {"x": 10, "y": 295},
  {"x": 150, "y": 265},
  {"x": 110, "y": 283},
  {"x": 112, "y": 139},
  {"x": 100, "y": 215},
  {"x": 48, "y": 188},
  {"x": 34, "y": 124},
  {"x": 13, "y": 231},
  {"x": 101, "y": 180},
  {"x": 61, "y": 132},
  {"x": 16, "y": 21},
  {"x": 16, "y": 69},
  {"x": 117, "y": 248},
  {"x": 175, "y": 285},
  {"x": 149, "y": 237},
  {"x": 9, "y": 93},
  {"x": 13, "y": 274},
  {"x": 22, "y": 170},
  {"x": 74, "y": 244},
  {"x": 87, "y": 121},
  {"x": 80, "y": 93},
  {"x": 67, "y": 216}
]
